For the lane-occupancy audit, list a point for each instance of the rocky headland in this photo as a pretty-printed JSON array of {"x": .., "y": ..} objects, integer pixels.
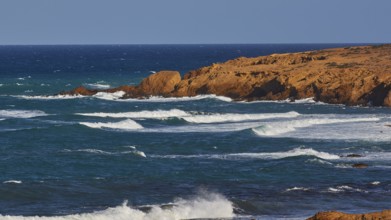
[
  {"x": 351, "y": 76},
  {"x": 334, "y": 215}
]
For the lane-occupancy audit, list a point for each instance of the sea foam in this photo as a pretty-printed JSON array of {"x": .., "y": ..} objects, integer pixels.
[
  {"x": 10, "y": 113},
  {"x": 216, "y": 118},
  {"x": 193, "y": 118},
  {"x": 12, "y": 182},
  {"x": 275, "y": 129},
  {"x": 209, "y": 205},
  {"x": 98, "y": 85},
  {"x": 141, "y": 114},
  {"x": 264, "y": 155},
  {"x": 127, "y": 124}
]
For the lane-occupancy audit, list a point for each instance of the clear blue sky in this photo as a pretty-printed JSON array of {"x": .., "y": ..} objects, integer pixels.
[{"x": 194, "y": 21}]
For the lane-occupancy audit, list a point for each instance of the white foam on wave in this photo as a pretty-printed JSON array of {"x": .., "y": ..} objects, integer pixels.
[
  {"x": 209, "y": 205},
  {"x": 264, "y": 155},
  {"x": 297, "y": 189},
  {"x": 127, "y": 124},
  {"x": 142, "y": 114},
  {"x": 116, "y": 96},
  {"x": 278, "y": 128},
  {"x": 179, "y": 99},
  {"x": 97, "y": 85},
  {"x": 344, "y": 188},
  {"x": 310, "y": 100},
  {"x": 49, "y": 97},
  {"x": 10, "y": 113},
  {"x": 216, "y": 118},
  {"x": 12, "y": 182},
  {"x": 136, "y": 153},
  {"x": 209, "y": 118},
  {"x": 102, "y": 152},
  {"x": 109, "y": 96}
]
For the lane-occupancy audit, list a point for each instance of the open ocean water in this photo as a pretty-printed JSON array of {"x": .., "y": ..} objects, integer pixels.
[{"x": 100, "y": 157}]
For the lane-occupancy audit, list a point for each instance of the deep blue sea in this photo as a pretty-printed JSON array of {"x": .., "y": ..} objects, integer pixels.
[{"x": 101, "y": 157}]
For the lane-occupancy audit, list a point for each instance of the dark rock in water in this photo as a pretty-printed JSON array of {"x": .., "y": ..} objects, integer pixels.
[
  {"x": 334, "y": 215},
  {"x": 360, "y": 165},
  {"x": 388, "y": 126},
  {"x": 354, "y": 155}
]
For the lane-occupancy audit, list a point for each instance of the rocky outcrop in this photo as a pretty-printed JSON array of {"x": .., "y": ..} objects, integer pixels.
[
  {"x": 334, "y": 215},
  {"x": 352, "y": 76}
]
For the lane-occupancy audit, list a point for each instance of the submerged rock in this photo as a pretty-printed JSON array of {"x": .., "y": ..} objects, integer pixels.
[
  {"x": 354, "y": 155},
  {"x": 360, "y": 165},
  {"x": 334, "y": 215},
  {"x": 352, "y": 76}
]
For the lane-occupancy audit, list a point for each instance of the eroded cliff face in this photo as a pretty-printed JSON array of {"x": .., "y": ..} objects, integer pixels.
[
  {"x": 333, "y": 215},
  {"x": 352, "y": 76}
]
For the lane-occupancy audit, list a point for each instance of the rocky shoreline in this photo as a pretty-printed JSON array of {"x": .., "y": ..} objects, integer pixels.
[
  {"x": 351, "y": 76},
  {"x": 334, "y": 215}
]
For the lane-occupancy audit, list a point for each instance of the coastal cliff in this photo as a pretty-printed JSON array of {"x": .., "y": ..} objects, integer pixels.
[
  {"x": 351, "y": 76},
  {"x": 333, "y": 215}
]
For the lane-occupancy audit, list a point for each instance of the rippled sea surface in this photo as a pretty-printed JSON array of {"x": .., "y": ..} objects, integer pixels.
[{"x": 100, "y": 157}]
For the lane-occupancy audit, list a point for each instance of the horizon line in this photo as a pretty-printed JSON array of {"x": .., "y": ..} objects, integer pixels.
[{"x": 163, "y": 44}]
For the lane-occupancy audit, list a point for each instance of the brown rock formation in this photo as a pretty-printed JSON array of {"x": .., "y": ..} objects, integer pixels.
[
  {"x": 352, "y": 76},
  {"x": 360, "y": 165},
  {"x": 334, "y": 215}
]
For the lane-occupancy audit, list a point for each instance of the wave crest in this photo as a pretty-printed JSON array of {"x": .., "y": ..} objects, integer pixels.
[
  {"x": 209, "y": 205},
  {"x": 142, "y": 114},
  {"x": 121, "y": 125},
  {"x": 21, "y": 113}
]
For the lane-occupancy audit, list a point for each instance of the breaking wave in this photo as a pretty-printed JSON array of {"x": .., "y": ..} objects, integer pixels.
[
  {"x": 275, "y": 129},
  {"x": 109, "y": 96},
  {"x": 97, "y": 85},
  {"x": 49, "y": 97},
  {"x": 265, "y": 156},
  {"x": 121, "y": 125},
  {"x": 176, "y": 113},
  {"x": 12, "y": 182},
  {"x": 116, "y": 96},
  {"x": 142, "y": 114},
  {"x": 21, "y": 113},
  {"x": 215, "y": 118},
  {"x": 206, "y": 205}
]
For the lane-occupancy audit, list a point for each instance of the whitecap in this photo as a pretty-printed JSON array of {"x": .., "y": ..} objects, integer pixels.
[
  {"x": 344, "y": 188},
  {"x": 21, "y": 113},
  {"x": 297, "y": 189},
  {"x": 375, "y": 183},
  {"x": 109, "y": 96},
  {"x": 215, "y": 118},
  {"x": 279, "y": 128},
  {"x": 179, "y": 99},
  {"x": 93, "y": 151},
  {"x": 97, "y": 85},
  {"x": 127, "y": 124},
  {"x": 49, "y": 97},
  {"x": 12, "y": 182},
  {"x": 139, "y": 153},
  {"x": 207, "y": 205},
  {"x": 142, "y": 114},
  {"x": 310, "y": 100},
  {"x": 264, "y": 155}
]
